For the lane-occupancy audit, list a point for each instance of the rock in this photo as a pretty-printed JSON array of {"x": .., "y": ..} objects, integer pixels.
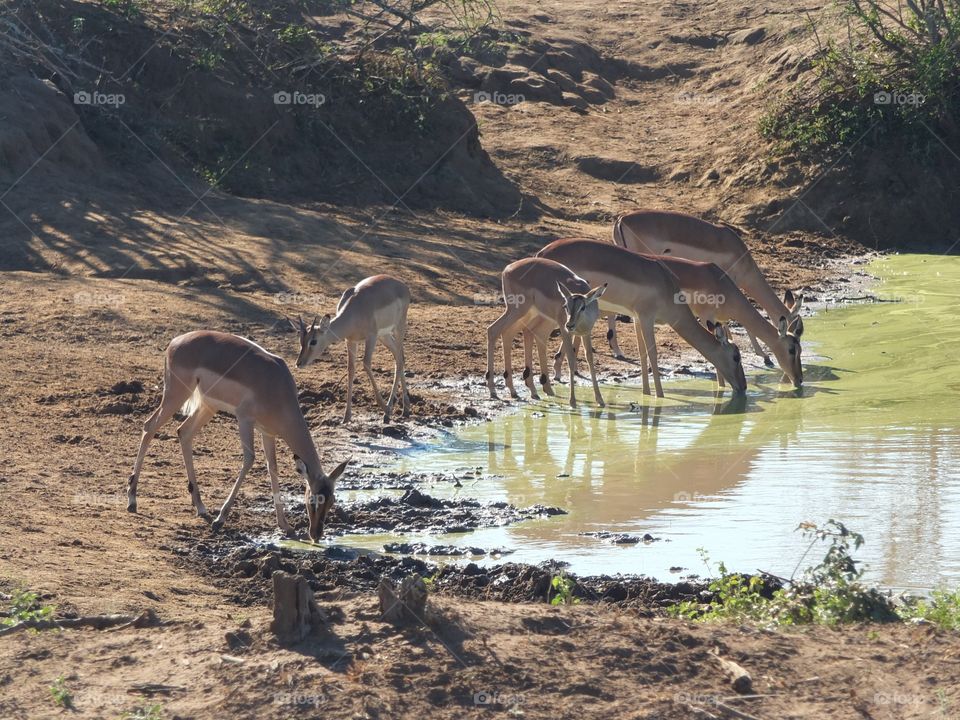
[
  {"x": 591, "y": 95},
  {"x": 536, "y": 87},
  {"x": 679, "y": 174},
  {"x": 749, "y": 36},
  {"x": 622, "y": 171},
  {"x": 563, "y": 80},
  {"x": 497, "y": 80},
  {"x": 598, "y": 83},
  {"x": 574, "y": 101}
]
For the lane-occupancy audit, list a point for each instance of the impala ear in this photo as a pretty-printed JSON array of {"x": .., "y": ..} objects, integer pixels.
[
  {"x": 782, "y": 327},
  {"x": 563, "y": 291},
  {"x": 301, "y": 465},
  {"x": 796, "y": 327},
  {"x": 597, "y": 292},
  {"x": 324, "y": 323},
  {"x": 795, "y": 310},
  {"x": 718, "y": 332},
  {"x": 338, "y": 471}
]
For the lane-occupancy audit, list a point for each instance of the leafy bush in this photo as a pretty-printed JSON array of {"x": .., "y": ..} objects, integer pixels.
[
  {"x": 942, "y": 609},
  {"x": 828, "y": 593},
  {"x": 895, "y": 76},
  {"x": 26, "y": 605}
]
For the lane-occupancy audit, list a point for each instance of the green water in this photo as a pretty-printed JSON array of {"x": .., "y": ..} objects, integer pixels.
[{"x": 872, "y": 439}]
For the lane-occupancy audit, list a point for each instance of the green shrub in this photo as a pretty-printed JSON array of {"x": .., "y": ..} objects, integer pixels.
[{"x": 893, "y": 77}]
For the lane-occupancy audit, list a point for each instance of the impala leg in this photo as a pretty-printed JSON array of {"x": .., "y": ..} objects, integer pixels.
[
  {"x": 246, "y": 440},
  {"x": 496, "y": 331},
  {"x": 643, "y": 358},
  {"x": 175, "y": 394},
  {"x": 528, "y": 341},
  {"x": 400, "y": 334},
  {"x": 588, "y": 345},
  {"x": 612, "y": 337},
  {"x": 541, "y": 340},
  {"x": 399, "y": 382},
  {"x": 351, "y": 373},
  {"x": 270, "y": 452},
  {"x": 567, "y": 346},
  {"x": 188, "y": 428},
  {"x": 508, "y": 360},
  {"x": 649, "y": 344},
  {"x": 758, "y": 348},
  {"x": 369, "y": 346}
]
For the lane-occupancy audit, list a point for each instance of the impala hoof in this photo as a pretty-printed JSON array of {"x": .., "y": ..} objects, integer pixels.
[
  {"x": 217, "y": 525},
  {"x": 132, "y": 506}
]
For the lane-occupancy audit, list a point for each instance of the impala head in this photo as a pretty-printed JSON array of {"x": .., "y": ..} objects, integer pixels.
[
  {"x": 728, "y": 361},
  {"x": 787, "y": 349},
  {"x": 314, "y": 339},
  {"x": 319, "y": 494},
  {"x": 582, "y": 310}
]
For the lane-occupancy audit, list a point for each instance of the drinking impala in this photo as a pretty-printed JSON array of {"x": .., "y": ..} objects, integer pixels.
[{"x": 205, "y": 372}]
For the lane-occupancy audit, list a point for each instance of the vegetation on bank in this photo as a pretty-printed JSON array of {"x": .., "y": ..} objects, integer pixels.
[
  {"x": 831, "y": 592},
  {"x": 893, "y": 79}
]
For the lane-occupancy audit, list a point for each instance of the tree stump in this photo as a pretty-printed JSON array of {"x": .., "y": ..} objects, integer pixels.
[
  {"x": 406, "y": 605},
  {"x": 295, "y": 612}
]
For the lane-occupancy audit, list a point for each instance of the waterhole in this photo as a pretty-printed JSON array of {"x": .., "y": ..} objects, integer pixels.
[{"x": 871, "y": 440}]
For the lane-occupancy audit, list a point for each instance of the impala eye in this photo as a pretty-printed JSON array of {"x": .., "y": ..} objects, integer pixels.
[{"x": 313, "y": 342}]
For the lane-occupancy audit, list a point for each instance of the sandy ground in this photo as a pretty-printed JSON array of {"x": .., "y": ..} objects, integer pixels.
[{"x": 122, "y": 275}]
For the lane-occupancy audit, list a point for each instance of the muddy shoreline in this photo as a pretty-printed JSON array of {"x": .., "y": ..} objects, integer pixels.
[{"x": 245, "y": 560}]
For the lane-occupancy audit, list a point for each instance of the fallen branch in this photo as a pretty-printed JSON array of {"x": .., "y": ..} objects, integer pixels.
[
  {"x": 740, "y": 679},
  {"x": 97, "y": 622}
]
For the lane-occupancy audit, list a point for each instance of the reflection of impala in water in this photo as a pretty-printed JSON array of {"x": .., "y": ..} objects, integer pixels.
[{"x": 612, "y": 469}]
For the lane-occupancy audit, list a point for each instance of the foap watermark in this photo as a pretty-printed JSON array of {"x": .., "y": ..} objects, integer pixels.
[
  {"x": 699, "y": 298},
  {"x": 103, "y": 499},
  {"x": 495, "y": 298},
  {"x": 98, "y": 299},
  {"x": 298, "y": 699},
  {"x": 84, "y": 97},
  {"x": 495, "y": 697},
  {"x": 697, "y": 699},
  {"x": 694, "y": 98},
  {"x": 684, "y": 496},
  {"x": 295, "y": 97},
  {"x": 304, "y": 299},
  {"x": 897, "y": 698},
  {"x": 885, "y": 97},
  {"x": 498, "y": 98}
]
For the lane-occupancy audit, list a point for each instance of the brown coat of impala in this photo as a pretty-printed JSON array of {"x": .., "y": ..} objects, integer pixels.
[
  {"x": 206, "y": 372},
  {"x": 541, "y": 296},
  {"x": 374, "y": 309},
  {"x": 665, "y": 232},
  {"x": 714, "y": 297},
  {"x": 642, "y": 288}
]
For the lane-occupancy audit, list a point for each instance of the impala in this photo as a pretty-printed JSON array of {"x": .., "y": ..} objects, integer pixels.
[
  {"x": 642, "y": 288},
  {"x": 374, "y": 309},
  {"x": 205, "y": 372},
  {"x": 541, "y": 296},
  {"x": 715, "y": 298},
  {"x": 664, "y": 232}
]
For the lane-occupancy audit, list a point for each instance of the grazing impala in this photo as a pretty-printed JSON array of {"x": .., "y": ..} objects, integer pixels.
[
  {"x": 640, "y": 287},
  {"x": 541, "y": 296},
  {"x": 374, "y": 309},
  {"x": 207, "y": 371},
  {"x": 663, "y": 232}
]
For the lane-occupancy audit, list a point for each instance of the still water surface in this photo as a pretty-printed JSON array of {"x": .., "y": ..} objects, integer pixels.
[{"x": 872, "y": 440}]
